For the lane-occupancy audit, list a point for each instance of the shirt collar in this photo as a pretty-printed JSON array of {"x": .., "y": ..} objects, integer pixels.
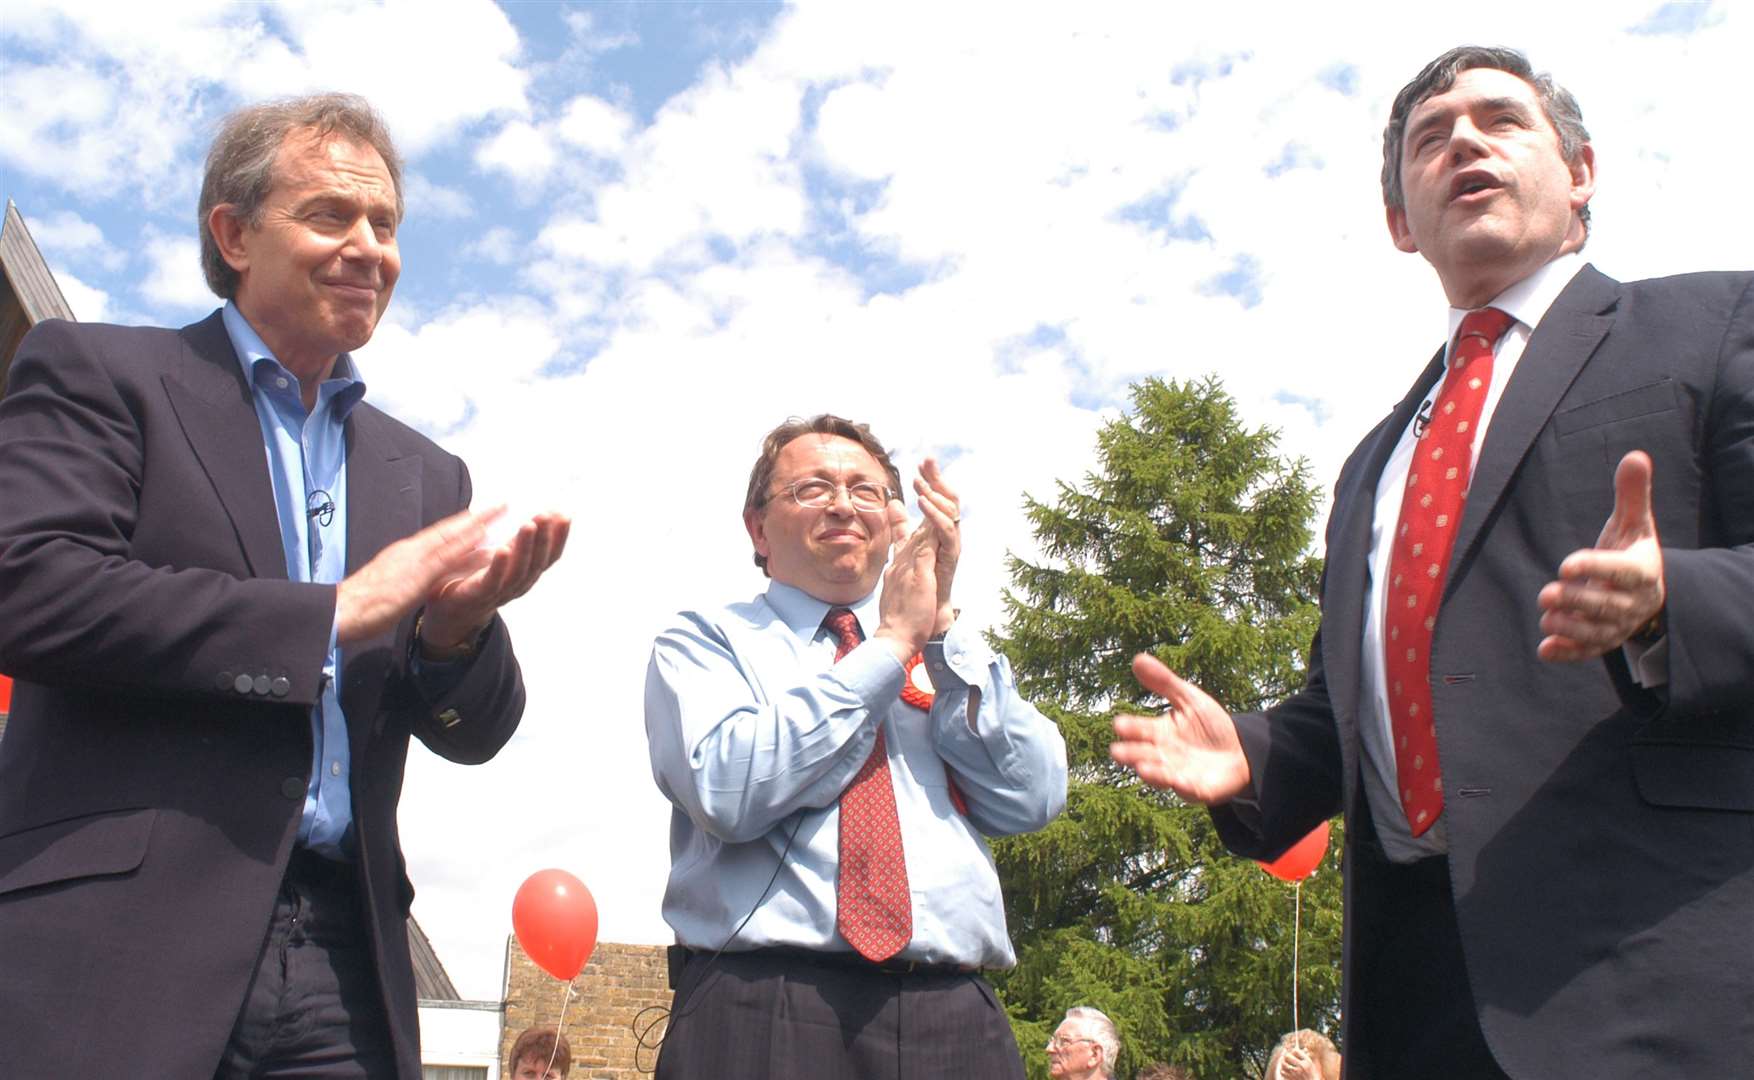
[
  {"x": 258, "y": 362},
  {"x": 803, "y": 613},
  {"x": 1528, "y": 300}
]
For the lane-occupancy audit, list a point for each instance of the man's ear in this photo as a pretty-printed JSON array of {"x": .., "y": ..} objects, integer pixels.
[
  {"x": 1398, "y": 231},
  {"x": 1583, "y": 177},
  {"x": 228, "y": 236},
  {"x": 752, "y": 521}
]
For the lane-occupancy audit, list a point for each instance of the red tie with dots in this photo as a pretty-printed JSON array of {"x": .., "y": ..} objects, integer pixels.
[
  {"x": 874, "y": 910},
  {"x": 1431, "y": 512}
]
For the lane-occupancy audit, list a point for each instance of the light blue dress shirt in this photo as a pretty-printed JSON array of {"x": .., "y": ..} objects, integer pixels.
[
  {"x": 754, "y": 730},
  {"x": 307, "y": 457}
]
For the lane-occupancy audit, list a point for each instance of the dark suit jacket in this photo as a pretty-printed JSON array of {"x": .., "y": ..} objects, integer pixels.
[
  {"x": 1601, "y": 835},
  {"x": 148, "y": 805}
]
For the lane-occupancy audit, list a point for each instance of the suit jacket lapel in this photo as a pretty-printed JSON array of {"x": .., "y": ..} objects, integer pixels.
[
  {"x": 1556, "y": 353},
  {"x": 383, "y": 489},
  {"x": 1348, "y": 562},
  {"x": 213, "y": 403},
  {"x": 383, "y": 506}
]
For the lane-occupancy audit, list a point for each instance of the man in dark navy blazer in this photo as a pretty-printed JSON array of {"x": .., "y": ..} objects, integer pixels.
[
  {"x": 230, "y": 592},
  {"x": 1567, "y": 889}
]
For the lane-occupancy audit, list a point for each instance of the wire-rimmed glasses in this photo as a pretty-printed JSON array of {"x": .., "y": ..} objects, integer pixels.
[{"x": 815, "y": 493}]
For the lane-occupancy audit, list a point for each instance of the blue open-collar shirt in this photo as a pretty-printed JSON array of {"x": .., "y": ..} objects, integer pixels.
[
  {"x": 755, "y": 731},
  {"x": 307, "y": 466}
]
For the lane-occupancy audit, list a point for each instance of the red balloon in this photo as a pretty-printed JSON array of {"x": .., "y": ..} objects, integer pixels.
[
  {"x": 1301, "y": 859},
  {"x": 556, "y": 922}
]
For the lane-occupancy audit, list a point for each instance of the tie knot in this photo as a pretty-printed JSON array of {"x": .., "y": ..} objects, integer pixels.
[
  {"x": 1488, "y": 324},
  {"x": 845, "y": 627}
]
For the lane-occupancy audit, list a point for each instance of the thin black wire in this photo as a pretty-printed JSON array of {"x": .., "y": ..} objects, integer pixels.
[{"x": 642, "y": 1033}]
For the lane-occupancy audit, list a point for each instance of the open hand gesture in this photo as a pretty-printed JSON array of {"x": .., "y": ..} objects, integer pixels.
[
  {"x": 1192, "y": 749},
  {"x": 1605, "y": 594}
]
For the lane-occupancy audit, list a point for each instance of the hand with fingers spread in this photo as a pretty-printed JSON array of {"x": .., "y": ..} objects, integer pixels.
[
  {"x": 908, "y": 607},
  {"x": 397, "y": 580},
  {"x": 1610, "y": 592},
  {"x": 459, "y": 607},
  {"x": 445, "y": 567},
  {"x": 1192, "y": 749},
  {"x": 943, "y": 513}
]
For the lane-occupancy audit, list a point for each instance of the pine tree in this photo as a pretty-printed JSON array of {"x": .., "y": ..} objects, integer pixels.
[{"x": 1192, "y": 542}]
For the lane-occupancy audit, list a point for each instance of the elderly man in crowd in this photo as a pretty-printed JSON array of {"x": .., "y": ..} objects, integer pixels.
[
  {"x": 1084, "y": 1047},
  {"x": 835, "y": 756},
  {"x": 1539, "y": 726},
  {"x": 230, "y": 592}
]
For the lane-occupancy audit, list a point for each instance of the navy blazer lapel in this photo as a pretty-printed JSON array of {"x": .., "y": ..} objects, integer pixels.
[
  {"x": 1347, "y": 588},
  {"x": 1556, "y": 353},
  {"x": 383, "y": 488},
  {"x": 383, "y": 506},
  {"x": 213, "y": 403}
]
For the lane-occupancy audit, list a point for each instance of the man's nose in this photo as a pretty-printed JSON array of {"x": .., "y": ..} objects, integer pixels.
[
  {"x": 362, "y": 243},
  {"x": 1466, "y": 141}
]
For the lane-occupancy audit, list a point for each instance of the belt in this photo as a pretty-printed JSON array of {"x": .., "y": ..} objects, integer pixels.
[{"x": 846, "y": 960}]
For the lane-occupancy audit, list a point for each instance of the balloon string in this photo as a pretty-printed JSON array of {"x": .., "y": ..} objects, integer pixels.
[
  {"x": 1296, "y": 941},
  {"x": 559, "y": 1029}
]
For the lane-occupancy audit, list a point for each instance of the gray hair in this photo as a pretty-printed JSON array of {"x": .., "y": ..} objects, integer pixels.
[
  {"x": 240, "y": 164},
  {"x": 1099, "y": 1029},
  {"x": 1560, "y": 107}
]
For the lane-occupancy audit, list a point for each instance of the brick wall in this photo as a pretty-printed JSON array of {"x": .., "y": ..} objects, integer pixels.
[{"x": 619, "y": 981}]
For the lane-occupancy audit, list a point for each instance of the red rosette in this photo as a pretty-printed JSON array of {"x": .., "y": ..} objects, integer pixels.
[
  {"x": 916, "y": 684},
  {"x": 916, "y": 690}
]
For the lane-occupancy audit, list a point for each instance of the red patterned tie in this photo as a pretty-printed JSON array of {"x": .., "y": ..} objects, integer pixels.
[
  {"x": 875, "y": 912},
  {"x": 1431, "y": 512}
]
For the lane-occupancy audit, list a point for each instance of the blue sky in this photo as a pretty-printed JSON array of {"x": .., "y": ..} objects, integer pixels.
[{"x": 640, "y": 234}]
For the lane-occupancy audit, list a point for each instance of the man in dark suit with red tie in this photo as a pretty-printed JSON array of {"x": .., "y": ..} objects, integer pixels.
[
  {"x": 230, "y": 593},
  {"x": 1539, "y": 727}
]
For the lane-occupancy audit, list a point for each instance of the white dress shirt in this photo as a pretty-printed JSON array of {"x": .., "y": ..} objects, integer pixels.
[{"x": 1527, "y": 302}]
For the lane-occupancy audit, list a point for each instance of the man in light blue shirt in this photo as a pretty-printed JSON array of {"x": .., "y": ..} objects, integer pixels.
[{"x": 767, "y": 719}]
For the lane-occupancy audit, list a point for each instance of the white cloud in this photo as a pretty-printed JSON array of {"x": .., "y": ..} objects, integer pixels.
[
  {"x": 520, "y": 149},
  {"x": 146, "y": 88},
  {"x": 499, "y": 245},
  {"x": 89, "y": 304},
  {"x": 426, "y": 199},
  {"x": 64, "y": 235},
  {"x": 175, "y": 279},
  {"x": 594, "y": 125},
  {"x": 430, "y": 70},
  {"x": 856, "y": 133},
  {"x": 588, "y": 36},
  {"x": 435, "y": 374},
  {"x": 715, "y": 163},
  {"x": 81, "y": 126}
]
